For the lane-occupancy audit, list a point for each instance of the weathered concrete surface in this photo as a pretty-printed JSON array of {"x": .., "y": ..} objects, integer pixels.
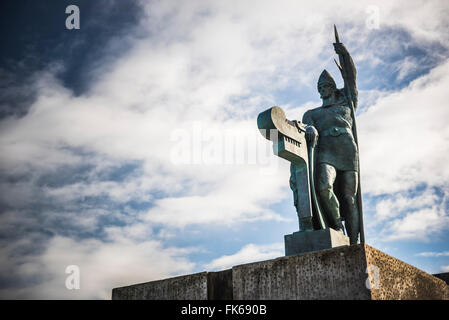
[
  {"x": 192, "y": 287},
  {"x": 198, "y": 286},
  {"x": 399, "y": 280},
  {"x": 338, "y": 273},
  {"x": 309, "y": 241}
]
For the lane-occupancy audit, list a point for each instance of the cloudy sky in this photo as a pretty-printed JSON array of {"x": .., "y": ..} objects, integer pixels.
[{"x": 129, "y": 147}]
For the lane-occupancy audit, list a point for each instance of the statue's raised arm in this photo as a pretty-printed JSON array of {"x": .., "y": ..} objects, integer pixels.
[{"x": 347, "y": 69}]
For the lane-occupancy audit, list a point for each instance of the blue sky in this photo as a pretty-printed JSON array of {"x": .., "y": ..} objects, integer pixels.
[{"x": 129, "y": 147}]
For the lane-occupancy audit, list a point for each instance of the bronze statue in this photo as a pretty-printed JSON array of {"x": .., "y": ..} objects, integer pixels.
[
  {"x": 332, "y": 128},
  {"x": 323, "y": 152}
]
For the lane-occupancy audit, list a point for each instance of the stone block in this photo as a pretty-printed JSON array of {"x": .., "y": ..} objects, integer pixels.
[
  {"x": 339, "y": 273},
  {"x": 309, "y": 241},
  {"x": 198, "y": 286},
  {"x": 357, "y": 272}
]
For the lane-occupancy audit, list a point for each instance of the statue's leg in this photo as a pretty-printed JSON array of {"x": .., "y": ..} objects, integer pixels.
[
  {"x": 349, "y": 196},
  {"x": 326, "y": 178}
]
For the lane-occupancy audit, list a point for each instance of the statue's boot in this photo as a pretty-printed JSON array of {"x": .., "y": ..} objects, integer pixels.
[
  {"x": 334, "y": 218},
  {"x": 352, "y": 223},
  {"x": 331, "y": 208}
]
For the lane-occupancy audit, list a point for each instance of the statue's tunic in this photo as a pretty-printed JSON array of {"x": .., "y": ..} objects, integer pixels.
[{"x": 336, "y": 145}]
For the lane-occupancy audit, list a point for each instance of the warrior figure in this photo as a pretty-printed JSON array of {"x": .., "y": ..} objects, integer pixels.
[{"x": 331, "y": 128}]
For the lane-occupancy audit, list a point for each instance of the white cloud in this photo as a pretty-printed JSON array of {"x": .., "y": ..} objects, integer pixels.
[
  {"x": 403, "y": 137},
  {"x": 419, "y": 225},
  {"x": 418, "y": 216},
  {"x": 445, "y": 268},
  {"x": 403, "y": 142},
  {"x": 183, "y": 74},
  {"x": 249, "y": 253},
  {"x": 433, "y": 254},
  {"x": 397, "y": 203},
  {"x": 406, "y": 67}
]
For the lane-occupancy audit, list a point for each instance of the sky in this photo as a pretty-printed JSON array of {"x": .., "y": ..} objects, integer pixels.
[{"x": 129, "y": 147}]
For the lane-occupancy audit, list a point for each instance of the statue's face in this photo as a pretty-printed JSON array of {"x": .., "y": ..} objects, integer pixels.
[{"x": 325, "y": 90}]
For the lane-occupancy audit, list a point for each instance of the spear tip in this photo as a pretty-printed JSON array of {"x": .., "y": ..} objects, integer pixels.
[{"x": 337, "y": 40}]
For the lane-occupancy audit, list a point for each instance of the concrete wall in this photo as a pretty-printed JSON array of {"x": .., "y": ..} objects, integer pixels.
[
  {"x": 329, "y": 274},
  {"x": 338, "y": 273},
  {"x": 401, "y": 281},
  {"x": 189, "y": 287},
  {"x": 198, "y": 286}
]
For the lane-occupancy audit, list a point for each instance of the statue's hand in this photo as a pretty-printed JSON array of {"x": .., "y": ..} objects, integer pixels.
[
  {"x": 340, "y": 48},
  {"x": 311, "y": 135}
]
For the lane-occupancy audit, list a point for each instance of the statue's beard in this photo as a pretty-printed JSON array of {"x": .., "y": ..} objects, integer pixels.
[{"x": 325, "y": 96}]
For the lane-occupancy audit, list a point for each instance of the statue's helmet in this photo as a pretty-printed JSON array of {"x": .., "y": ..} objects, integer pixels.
[{"x": 325, "y": 77}]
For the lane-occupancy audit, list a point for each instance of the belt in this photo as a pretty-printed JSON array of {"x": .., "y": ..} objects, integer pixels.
[{"x": 336, "y": 131}]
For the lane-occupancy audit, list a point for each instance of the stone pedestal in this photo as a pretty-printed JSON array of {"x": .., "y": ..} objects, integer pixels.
[
  {"x": 357, "y": 272},
  {"x": 309, "y": 241}
]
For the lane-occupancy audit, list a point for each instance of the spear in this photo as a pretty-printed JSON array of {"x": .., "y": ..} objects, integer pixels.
[{"x": 343, "y": 62}]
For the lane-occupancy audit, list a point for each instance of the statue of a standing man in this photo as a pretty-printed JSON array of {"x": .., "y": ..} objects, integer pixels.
[{"x": 331, "y": 127}]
